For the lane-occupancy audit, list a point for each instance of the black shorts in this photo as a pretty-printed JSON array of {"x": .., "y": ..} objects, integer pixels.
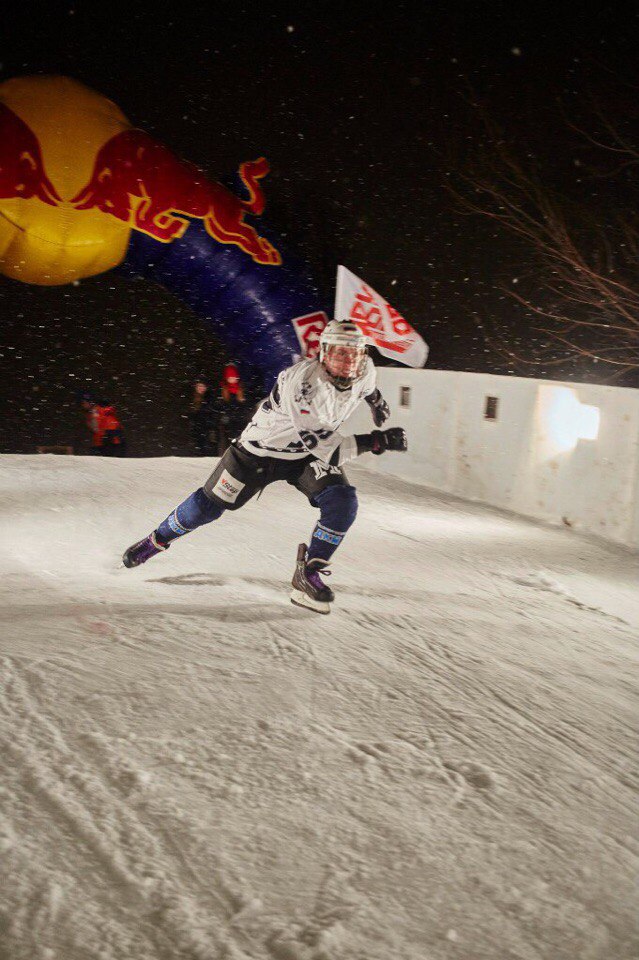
[{"x": 240, "y": 475}]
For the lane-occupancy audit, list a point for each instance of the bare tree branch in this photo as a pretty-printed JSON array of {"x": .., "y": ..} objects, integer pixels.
[{"x": 586, "y": 261}]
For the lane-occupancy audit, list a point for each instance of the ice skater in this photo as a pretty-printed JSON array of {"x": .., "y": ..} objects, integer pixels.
[{"x": 294, "y": 436}]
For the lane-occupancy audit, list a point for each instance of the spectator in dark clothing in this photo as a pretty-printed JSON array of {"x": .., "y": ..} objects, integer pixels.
[
  {"x": 107, "y": 433},
  {"x": 203, "y": 415}
]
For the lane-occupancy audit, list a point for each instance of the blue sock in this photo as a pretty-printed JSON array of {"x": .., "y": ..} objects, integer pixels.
[
  {"x": 338, "y": 509},
  {"x": 192, "y": 513}
]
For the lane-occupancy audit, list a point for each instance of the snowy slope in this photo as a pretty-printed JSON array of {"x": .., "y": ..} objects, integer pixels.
[{"x": 192, "y": 767}]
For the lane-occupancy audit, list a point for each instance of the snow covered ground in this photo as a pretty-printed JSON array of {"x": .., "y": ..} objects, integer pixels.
[{"x": 192, "y": 767}]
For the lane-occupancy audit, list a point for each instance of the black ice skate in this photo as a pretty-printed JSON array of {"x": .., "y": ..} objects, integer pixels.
[
  {"x": 308, "y": 588},
  {"x": 142, "y": 551}
]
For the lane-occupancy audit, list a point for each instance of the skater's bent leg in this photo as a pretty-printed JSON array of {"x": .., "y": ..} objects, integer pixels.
[
  {"x": 338, "y": 509},
  {"x": 229, "y": 487},
  {"x": 195, "y": 511}
]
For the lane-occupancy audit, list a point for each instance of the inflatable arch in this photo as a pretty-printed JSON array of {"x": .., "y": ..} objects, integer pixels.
[{"x": 83, "y": 192}]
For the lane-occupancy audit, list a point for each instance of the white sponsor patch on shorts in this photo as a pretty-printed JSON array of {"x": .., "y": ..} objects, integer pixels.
[{"x": 228, "y": 488}]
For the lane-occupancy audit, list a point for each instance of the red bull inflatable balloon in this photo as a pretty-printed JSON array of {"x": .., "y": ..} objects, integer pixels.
[{"x": 82, "y": 192}]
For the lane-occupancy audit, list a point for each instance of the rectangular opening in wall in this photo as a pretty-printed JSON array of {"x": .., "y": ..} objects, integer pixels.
[
  {"x": 490, "y": 408},
  {"x": 404, "y": 396}
]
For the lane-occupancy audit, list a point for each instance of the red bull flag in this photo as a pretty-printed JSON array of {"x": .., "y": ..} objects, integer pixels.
[{"x": 384, "y": 328}]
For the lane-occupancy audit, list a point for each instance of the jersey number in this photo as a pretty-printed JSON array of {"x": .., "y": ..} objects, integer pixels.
[{"x": 311, "y": 439}]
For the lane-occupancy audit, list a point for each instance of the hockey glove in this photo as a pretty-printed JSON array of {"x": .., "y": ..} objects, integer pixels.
[
  {"x": 379, "y": 408},
  {"x": 379, "y": 441}
]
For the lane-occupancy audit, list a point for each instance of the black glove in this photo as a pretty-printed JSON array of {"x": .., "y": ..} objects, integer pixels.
[
  {"x": 379, "y": 408},
  {"x": 379, "y": 441}
]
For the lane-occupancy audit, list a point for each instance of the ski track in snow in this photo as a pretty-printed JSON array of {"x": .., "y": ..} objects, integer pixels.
[{"x": 195, "y": 769}]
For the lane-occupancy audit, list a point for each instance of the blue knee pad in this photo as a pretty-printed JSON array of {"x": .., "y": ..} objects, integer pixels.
[
  {"x": 195, "y": 511},
  {"x": 338, "y": 509}
]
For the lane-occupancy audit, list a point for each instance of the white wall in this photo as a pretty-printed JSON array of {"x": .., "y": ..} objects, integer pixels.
[{"x": 530, "y": 460}]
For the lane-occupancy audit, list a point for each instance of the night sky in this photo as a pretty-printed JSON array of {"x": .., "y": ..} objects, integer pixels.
[{"x": 365, "y": 118}]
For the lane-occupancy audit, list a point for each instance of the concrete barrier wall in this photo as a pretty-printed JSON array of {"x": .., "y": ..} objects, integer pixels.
[{"x": 563, "y": 452}]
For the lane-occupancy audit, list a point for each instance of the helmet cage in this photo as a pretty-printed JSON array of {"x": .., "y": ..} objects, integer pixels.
[{"x": 340, "y": 334}]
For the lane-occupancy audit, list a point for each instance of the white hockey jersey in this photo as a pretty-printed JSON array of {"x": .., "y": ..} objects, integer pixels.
[{"x": 303, "y": 415}]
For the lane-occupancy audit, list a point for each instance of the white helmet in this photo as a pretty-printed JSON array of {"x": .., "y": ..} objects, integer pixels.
[{"x": 342, "y": 352}]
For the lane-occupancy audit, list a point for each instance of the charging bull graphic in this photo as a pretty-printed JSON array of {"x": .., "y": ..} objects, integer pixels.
[
  {"x": 22, "y": 171},
  {"x": 141, "y": 182},
  {"x": 133, "y": 177}
]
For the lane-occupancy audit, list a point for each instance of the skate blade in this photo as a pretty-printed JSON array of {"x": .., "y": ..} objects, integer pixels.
[{"x": 303, "y": 600}]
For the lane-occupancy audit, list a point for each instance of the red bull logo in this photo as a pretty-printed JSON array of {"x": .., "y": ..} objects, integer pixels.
[
  {"x": 22, "y": 172},
  {"x": 309, "y": 329},
  {"x": 142, "y": 183},
  {"x": 366, "y": 313}
]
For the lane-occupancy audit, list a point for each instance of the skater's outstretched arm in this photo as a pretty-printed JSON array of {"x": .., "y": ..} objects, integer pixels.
[{"x": 379, "y": 441}]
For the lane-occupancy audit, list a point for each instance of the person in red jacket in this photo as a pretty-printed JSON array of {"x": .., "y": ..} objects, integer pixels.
[
  {"x": 107, "y": 433},
  {"x": 234, "y": 410},
  {"x": 231, "y": 383}
]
